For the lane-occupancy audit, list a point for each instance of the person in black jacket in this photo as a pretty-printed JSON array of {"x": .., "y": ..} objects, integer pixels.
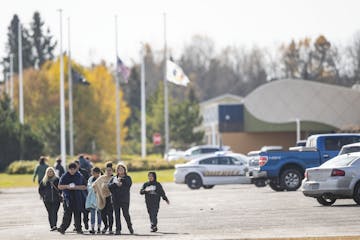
[
  {"x": 84, "y": 172},
  {"x": 153, "y": 192},
  {"x": 59, "y": 169},
  {"x": 50, "y": 194},
  {"x": 72, "y": 184},
  {"x": 119, "y": 187}
]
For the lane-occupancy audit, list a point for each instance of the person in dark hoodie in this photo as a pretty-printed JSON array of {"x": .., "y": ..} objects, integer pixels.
[
  {"x": 59, "y": 169},
  {"x": 51, "y": 195},
  {"x": 153, "y": 191},
  {"x": 72, "y": 184},
  {"x": 119, "y": 187},
  {"x": 84, "y": 172},
  {"x": 40, "y": 169}
]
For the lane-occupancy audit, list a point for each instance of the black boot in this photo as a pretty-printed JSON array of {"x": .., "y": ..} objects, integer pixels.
[
  {"x": 131, "y": 230},
  {"x": 104, "y": 230}
]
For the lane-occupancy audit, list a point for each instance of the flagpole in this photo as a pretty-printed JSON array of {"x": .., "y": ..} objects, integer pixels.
[
  {"x": 118, "y": 139},
  {"x": 62, "y": 99},
  {"x": 21, "y": 96},
  {"x": 6, "y": 82},
  {"x": 143, "y": 104},
  {"x": 71, "y": 120},
  {"x": 12, "y": 80},
  {"x": 166, "y": 102}
]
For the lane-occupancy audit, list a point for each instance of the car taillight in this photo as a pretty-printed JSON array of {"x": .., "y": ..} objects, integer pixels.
[
  {"x": 337, "y": 173},
  {"x": 263, "y": 160}
]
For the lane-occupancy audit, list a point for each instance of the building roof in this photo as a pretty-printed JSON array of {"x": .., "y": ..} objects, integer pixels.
[
  {"x": 225, "y": 97},
  {"x": 283, "y": 101}
]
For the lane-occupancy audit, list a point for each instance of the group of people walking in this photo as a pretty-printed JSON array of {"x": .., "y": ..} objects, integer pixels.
[{"x": 84, "y": 190}]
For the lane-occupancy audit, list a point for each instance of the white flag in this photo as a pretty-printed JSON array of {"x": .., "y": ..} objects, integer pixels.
[{"x": 175, "y": 74}]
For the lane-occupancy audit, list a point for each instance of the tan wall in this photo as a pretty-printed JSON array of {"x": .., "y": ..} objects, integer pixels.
[{"x": 246, "y": 142}]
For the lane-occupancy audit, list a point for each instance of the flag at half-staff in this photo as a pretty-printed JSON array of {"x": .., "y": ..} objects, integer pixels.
[
  {"x": 175, "y": 74},
  {"x": 123, "y": 70},
  {"x": 78, "y": 78}
]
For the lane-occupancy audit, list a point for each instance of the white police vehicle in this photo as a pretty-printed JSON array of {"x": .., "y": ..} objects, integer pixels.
[{"x": 213, "y": 169}]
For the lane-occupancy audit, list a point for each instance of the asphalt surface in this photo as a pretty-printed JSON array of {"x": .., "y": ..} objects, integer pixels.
[{"x": 224, "y": 212}]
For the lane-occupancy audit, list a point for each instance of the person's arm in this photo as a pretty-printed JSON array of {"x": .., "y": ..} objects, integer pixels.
[
  {"x": 95, "y": 184},
  {"x": 162, "y": 193},
  {"x": 35, "y": 173},
  {"x": 79, "y": 187},
  {"x": 41, "y": 189},
  {"x": 127, "y": 182},
  {"x": 111, "y": 185},
  {"x": 142, "y": 190},
  {"x": 82, "y": 186},
  {"x": 62, "y": 185}
]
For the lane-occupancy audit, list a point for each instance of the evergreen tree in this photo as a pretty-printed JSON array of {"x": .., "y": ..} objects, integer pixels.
[
  {"x": 184, "y": 119},
  {"x": 43, "y": 43},
  {"x": 12, "y": 46},
  {"x": 15, "y": 139}
]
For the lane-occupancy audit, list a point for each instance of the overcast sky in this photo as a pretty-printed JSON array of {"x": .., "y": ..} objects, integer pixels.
[{"x": 265, "y": 23}]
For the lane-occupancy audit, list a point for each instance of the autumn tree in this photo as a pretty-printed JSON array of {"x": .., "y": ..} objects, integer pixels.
[
  {"x": 310, "y": 60},
  {"x": 94, "y": 107}
]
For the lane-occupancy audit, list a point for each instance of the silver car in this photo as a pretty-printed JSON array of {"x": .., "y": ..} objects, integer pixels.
[{"x": 338, "y": 178}]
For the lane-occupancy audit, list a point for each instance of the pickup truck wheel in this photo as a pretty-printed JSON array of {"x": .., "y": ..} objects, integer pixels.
[
  {"x": 290, "y": 179},
  {"x": 326, "y": 200},
  {"x": 208, "y": 186},
  {"x": 274, "y": 185},
  {"x": 356, "y": 195},
  {"x": 194, "y": 181}
]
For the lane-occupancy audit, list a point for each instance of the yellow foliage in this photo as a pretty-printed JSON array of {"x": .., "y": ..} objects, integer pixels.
[{"x": 94, "y": 106}]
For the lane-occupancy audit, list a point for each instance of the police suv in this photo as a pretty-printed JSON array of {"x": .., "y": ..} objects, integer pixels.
[{"x": 213, "y": 169}]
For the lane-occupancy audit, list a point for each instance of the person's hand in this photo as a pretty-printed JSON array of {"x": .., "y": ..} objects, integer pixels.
[
  {"x": 119, "y": 184},
  {"x": 167, "y": 201}
]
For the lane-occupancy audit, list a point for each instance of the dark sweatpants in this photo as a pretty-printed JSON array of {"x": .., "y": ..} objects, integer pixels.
[
  {"x": 52, "y": 208},
  {"x": 68, "y": 212},
  {"x": 107, "y": 214},
  {"x": 153, "y": 210},
  {"x": 125, "y": 210}
]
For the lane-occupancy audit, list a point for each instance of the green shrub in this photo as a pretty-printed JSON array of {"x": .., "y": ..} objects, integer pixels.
[
  {"x": 133, "y": 162},
  {"x": 22, "y": 167}
]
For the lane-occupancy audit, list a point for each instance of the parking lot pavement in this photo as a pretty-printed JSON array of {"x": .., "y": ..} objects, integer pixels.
[{"x": 224, "y": 212}]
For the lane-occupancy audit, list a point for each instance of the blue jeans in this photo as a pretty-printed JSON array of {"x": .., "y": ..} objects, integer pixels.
[{"x": 94, "y": 212}]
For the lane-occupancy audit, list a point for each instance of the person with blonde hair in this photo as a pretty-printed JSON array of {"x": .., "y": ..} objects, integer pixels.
[
  {"x": 103, "y": 197},
  {"x": 119, "y": 187},
  {"x": 51, "y": 196}
]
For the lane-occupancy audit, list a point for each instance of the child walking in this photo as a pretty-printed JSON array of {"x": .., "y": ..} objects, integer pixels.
[
  {"x": 103, "y": 197},
  {"x": 153, "y": 191},
  {"x": 91, "y": 202}
]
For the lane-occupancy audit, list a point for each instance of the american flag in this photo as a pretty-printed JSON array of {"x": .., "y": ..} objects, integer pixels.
[{"x": 122, "y": 69}]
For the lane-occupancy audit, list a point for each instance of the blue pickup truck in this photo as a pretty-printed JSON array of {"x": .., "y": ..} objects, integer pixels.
[{"x": 284, "y": 170}]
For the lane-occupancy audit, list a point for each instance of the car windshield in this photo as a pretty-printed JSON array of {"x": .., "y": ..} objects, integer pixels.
[{"x": 340, "y": 161}]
